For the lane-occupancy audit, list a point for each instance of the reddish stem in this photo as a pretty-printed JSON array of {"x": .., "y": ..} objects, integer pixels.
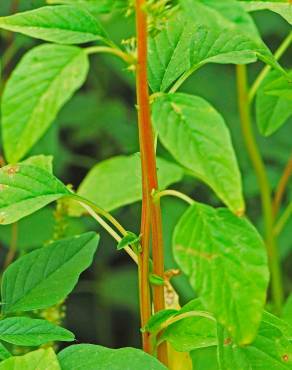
[
  {"x": 282, "y": 187},
  {"x": 151, "y": 211}
]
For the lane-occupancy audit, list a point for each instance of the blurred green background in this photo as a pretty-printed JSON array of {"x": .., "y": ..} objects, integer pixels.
[{"x": 100, "y": 122}]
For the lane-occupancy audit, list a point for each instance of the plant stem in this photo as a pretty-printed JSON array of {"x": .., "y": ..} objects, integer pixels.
[
  {"x": 111, "y": 50},
  {"x": 109, "y": 229},
  {"x": 263, "y": 182},
  {"x": 279, "y": 52},
  {"x": 282, "y": 187},
  {"x": 220, "y": 347},
  {"x": 151, "y": 212},
  {"x": 283, "y": 220},
  {"x": 174, "y": 193}
]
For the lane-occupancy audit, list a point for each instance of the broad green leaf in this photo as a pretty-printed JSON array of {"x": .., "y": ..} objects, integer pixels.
[
  {"x": 25, "y": 189},
  {"x": 225, "y": 260},
  {"x": 284, "y": 9},
  {"x": 43, "y": 161},
  {"x": 271, "y": 349},
  {"x": 198, "y": 36},
  {"x": 205, "y": 358},
  {"x": 272, "y": 111},
  {"x": 25, "y": 331},
  {"x": 4, "y": 353},
  {"x": 42, "y": 359},
  {"x": 46, "y": 276},
  {"x": 61, "y": 24},
  {"x": 94, "y": 6},
  {"x": 89, "y": 356},
  {"x": 43, "y": 81},
  {"x": 196, "y": 135},
  {"x": 192, "y": 332},
  {"x": 281, "y": 86},
  {"x": 116, "y": 182}
]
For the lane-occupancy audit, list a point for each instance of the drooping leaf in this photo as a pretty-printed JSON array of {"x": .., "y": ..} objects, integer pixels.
[
  {"x": 116, "y": 182},
  {"x": 46, "y": 276},
  {"x": 87, "y": 356},
  {"x": 281, "y": 86},
  {"x": 155, "y": 322},
  {"x": 272, "y": 111},
  {"x": 61, "y": 24},
  {"x": 284, "y": 9},
  {"x": 41, "y": 359},
  {"x": 25, "y": 331},
  {"x": 198, "y": 36},
  {"x": 191, "y": 333},
  {"x": 44, "y": 80},
  {"x": 218, "y": 251},
  {"x": 196, "y": 135},
  {"x": 25, "y": 189}
]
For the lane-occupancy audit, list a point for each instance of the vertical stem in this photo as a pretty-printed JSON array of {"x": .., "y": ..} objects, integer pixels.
[
  {"x": 263, "y": 182},
  {"x": 151, "y": 212}
]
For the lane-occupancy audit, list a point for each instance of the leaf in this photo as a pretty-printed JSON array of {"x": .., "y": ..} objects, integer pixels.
[
  {"x": 24, "y": 189},
  {"x": 46, "y": 276},
  {"x": 42, "y": 359},
  {"x": 205, "y": 358},
  {"x": 154, "y": 324},
  {"x": 4, "y": 353},
  {"x": 61, "y": 24},
  {"x": 25, "y": 331},
  {"x": 94, "y": 6},
  {"x": 281, "y": 87},
  {"x": 87, "y": 356},
  {"x": 129, "y": 239},
  {"x": 43, "y": 81},
  {"x": 197, "y": 137},
  {"x": 192, "y": 332},
  {"x": 116, "y": 182},
  {"x": 225, "y": 260},
  {"x": 43, "y": 161},
  {"x": 272, "y": 111},
  {"x": 198, "y": 36},
  {"x": 283, "y": 9}
]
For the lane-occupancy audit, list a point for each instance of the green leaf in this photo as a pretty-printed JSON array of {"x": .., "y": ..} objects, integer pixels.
[
  {"x": 41, "y": 359},
  {"x": 43, "y": 161},
  {"x": 272, "y": 111},
  {"x": 116, "y": 182},
  {"x": 281, "y": 87},
  {"x": 205, "y": 358},
  {"x": 218, "y": 252},
  {"x": 284, "y": 9},
  {"x": 270, "y": 350},
  {"x": 156, "y": 320},
  {"x": 94, "y": 6},
  {"x": 129, "y": 239},
  {"x": 4, "y": 353},
  {"x": 25, "y": 189},
  {"x": 199, "y": 36},
  {"x": 191, "y": 333},
  {"x": 46, "y": 276},
  {"x": 156, "y": 280},
  {"x": 196, "y": 135},
  {"x": 43, "y": 81},
  {"x": 87, "y": 356},
  {"x": 61, "y": 24},
  {"x": 25, "y": 331}
]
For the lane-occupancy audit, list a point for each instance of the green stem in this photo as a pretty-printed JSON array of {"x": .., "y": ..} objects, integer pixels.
[
  {"x": 263, "y": 182},
  {"x": 111, "y": 50},
  {"x": 283, "y": 220},
  {"x": 279, "y": 52},
  {"x": 184, "y": 77},
  {"x": 220, "y": 347},
  {"x": 174, "y": 193}
]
